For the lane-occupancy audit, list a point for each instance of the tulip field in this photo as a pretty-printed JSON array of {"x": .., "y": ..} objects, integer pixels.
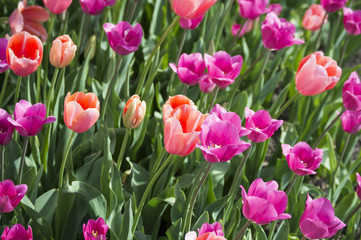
[{"x": 180, "y": 119}]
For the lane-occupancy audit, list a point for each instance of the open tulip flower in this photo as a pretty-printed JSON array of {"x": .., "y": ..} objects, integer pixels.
[
  {"x": 95, "y": 7},
  {"x": 62, "y": 51},
  {"x": 333, "y": 5},
  {"x": 252, "y": 9},
  {"x": 352, "y": 21},
  {"x": 351, "y": 121},
  {"x": 312, "y": 20},
  {"x": 208, "y": 231},
  {"x": 4, "y": 65},
  {"x": 191, "y": 9},
  {"x": 6, "y": 128},
  {"x": 317, "y": 73},
  {"x": 56, "y": 6},
  {"x": 17, "y": 232},
  {"x": 174, "y": 102},
  {"x": 11, "y": 195},
  {"x": 351, "y": 93},
  {"x": 95, "y": 229}
]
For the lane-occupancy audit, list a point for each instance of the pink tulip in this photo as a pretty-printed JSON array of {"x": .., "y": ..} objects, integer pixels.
[
  {"x": 252, "y": 9},
  {"x": 56, "y": 6},
  {"x": 190, "y": 68},
  {"x": 17, "y": 232},
  {"x": 264, "y": 203},
  {"x": 95, "y": 7},
  {"x": 174, "y": 102},
  {"x": 261, "y": 125},
  {"x": 190, "y": 24},
  {"x": 351, "y": 93},
  {"x": 28, "y": 19},
  {"x": 319, "y": 220},
  {"x": 4, "y": 65},
  {"x": 302, "y": 159},
  {"x": 278, "y": 33},
  {"x": 275, "y": 7},
  {"x": 247, "y": 27},
  {"x": 223, "y": 68},
  {"x": 317, "y": 73},
  {"x": 208, "y": 231},
  {"x": 358, "y": 189},
  {"x": 62, "y": 51},
  {"x": 351, "y": 121},
  {"x": 312, "y": 20},
  {"x": 95, "y": 229},
  {"x": 191, "y": 9},
  {"x": 333, "y": 5},
  {"x": 11, "y": 195},
  {"x": 6, "y": 128},
  {"x": 206, "y": 84},
  {"x": 352, "y": 21}
]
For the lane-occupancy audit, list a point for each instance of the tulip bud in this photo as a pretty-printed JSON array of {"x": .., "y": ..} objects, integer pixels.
[
  {"x": 90, "y": 47},
  {"x": 62, "y": 51},
  {"x": 134, "y": 112}
]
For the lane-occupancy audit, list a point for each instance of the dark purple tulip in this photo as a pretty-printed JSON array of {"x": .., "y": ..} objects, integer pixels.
[
  {"x": 11, "y": 195},
  {"x": 333, "y": 5},
  {"x": 123, "y": 38},
  {"x": 6, "y": 128},
  {"x": 3, "y": 61},
  {"x": 351, "y": 93},
  {"x": 95, "y": 7},
  {"x": 190, "y": 68}
]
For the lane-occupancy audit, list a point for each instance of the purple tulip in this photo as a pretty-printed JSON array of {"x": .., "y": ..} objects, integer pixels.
[
  {"x": 11, "y": 195},
  {"x": 275, "y": 7},
  {"x": 206, "y": 84},
  {"x": 333, "y": 5},
  {"x": 95, "y": 229},
  {"x": 352, "y": 21},
  {"x": 278, "y": 33},
  {"x": 123, "y": 38},
  {"x": 261, "y": 125},
  {"x": 302, "y": 159},
  {"x": 190, "y": 24},
  {"x": 17, "y": 232},
  {"x": 95, "y": 7},
  {"x": 358, "y": 189},
  {"x": 3, "y": 61},
  {"x": 29, "y": 119},
  {"x": 252, "y": 9},
  {"x": 6, "y": 128},
  {"x": 351, "y": 93},
  {"x": 190, "y": 68},
  {"x": 351, "y": 121},
  {"x": 223, "y": 68},
  {"x": 215, "y": 227},
  {"x": 319, "y": 220},
  {"x": 220, "y": 140},
  {"x": 264, "y": 203}
]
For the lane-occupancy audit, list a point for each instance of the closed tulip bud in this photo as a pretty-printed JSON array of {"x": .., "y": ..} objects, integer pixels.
[
  {"x": 312, "y": 20},
  {"x": 134, "y": 112},
  {"x": 62, "y": 51},
  {"x": 90, "y": 47}
]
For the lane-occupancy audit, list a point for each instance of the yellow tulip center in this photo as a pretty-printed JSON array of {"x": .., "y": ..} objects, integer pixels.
[{"x": 94, "y": 233}]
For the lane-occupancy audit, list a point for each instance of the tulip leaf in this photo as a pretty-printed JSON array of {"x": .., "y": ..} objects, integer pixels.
[
  {"x": 283, "y": 231},
  {"x": 260, "y": 233},
  {"x": 174, "y": 232},
  {"x": 179, "y": 207},
  {"x": 127, "y": 222}
]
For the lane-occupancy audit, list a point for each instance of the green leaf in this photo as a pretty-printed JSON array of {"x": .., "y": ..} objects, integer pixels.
[
  {"x": 283, "y": 231},
  {"x": 127, "y": 222},
  {"x": 174, "y": 232}
]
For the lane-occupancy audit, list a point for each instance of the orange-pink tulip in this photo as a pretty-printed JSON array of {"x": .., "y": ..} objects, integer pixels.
[
  {"x": 134, "y": 112},
  {"x": 312, "y": 20},
  {"x": 316, "y": 74},
  {"x": 28, "y": 18},
  {"x": 191, "y": 9},
  {"x": 81, "y": 111},
  {"x": 24, "y": 53},
  {"x": 174, "y": 102},
  {"x": 62, "y": 51}
]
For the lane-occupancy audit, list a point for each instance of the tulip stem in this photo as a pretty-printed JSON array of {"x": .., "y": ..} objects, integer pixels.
[
  {"x": 188, "y": 219},
  {"x": 147, "y": 191},
  {"x": 242, "y": 231},
  {"x": 63, "y": 163},
  {"x": 17, "y": 90},
  {"x": 290, "y": 186},
  {"x": 344, "y": 49},
  {"x": 185, "y": 89},
  {"x": 213, "y": 99},
  {"x": 235, "y": 38},
  {"x": 53, "y": 81},
  {"x": 20, "y": 175},
  {"x": 4, "y": 85},
  {"x": 48, "y": 42},
  {"x": 223, "y": 22},
  {"x": 328, "y": 128},
  {"x": 287, "y": 104},
  {"x": 341, "y": 158},
  {"x": 110, "y": 88},
  {"x": 132, "y": 11},
  {"x": 348, "y": 217},
  {"x": 303, "y": 238},
  {"x": 319, "y": 32},
  {"x": 2, "y": 162},
  {"x": 122, "y": 150},
  {"x": 260, "y": 81},
  {"x": 149, "y": 60},
  {"x": 157, "y": 162}
]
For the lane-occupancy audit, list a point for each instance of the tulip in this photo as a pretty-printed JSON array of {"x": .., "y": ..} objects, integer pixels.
[
  {"x": 191, "y": 9},
  {"x": 190, "y": 68},
  {"x": 358, "y": 189},
  {"x": 317, "y": 73},
  {"x": 352, "y": 21},
  {"x": 95, "y": 229},
  {"x": 261, "y": 125},
  {"x": 223, "y": 68},
  {"x": 319, "y": 220},
  {"x": 62, "y": 51},
  {"x": 264, "y": 203},
  {"x": 56, "y": 6},
  {"x": 81, "y": 111},
  {"x": 134, "y": 112},
  {"x": 190, "y": 24},
  {"x": 24, "y": 53},
  {"x": 206, "y": 85},
  {"x": 351, "y": 93},
  {"x": 333, "y": 5},
  {"x": 351, "y": 121},
  {"x": 11, "y": 195},
  {"x": 278, "y": 33},
  {"x": 28, "y": 19},
  {"x": 312, "y": 20},
  {"x": 4, "y": 65},
  {"x": 275, "y": 7},
  {"x": 17, "y": 232},
  {"x": 252, "y": 9},
  {"x": 6, "y": 128},
  {"x": 173, "y": 103},
  {"x": 29, "y": 119},
  {"x": 208, "y": 231},
  {"x": 95, "y": 7},
  {"x": 123, "y": 38},
  {"x": 247, "y": 27},
  {"x": 302, "y": 159},
  {"x": 207, "y": 236}
]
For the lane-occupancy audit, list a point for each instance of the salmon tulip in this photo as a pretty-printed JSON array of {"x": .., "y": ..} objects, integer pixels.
[
  {"x": 312, "y": 20},
  {"x": 174, "y": 102},
  {"x": 191, "y": 9},
  {"x": 56, "y": 6},
  {"x": 62, "y": 51}
]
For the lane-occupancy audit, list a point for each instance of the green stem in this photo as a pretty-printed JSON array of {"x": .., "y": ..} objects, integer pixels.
[
  {"x": 122, "y": 150},
  {"x": 213, "y": 99},
  {"x": 20, "y": 175},
  {"x": 3, "y": 89},
  {"x": 147, "y": 191},
  {"x": 341, "y": 158},
  {"x": 132, "y": 11},
  {"x": 349, "y": 216},
  {"x": 223, "y": 22},
  {"x": 292, "y": 183},
  {"x": 344, "y": 49},
  {"x": 157, "y": 163},
  {"x": 48, "y": 42},
  {"x": 53, "y": 81},
  {"x": 185, "y": 89},
  {"x": 260, "y": 81},
  {"x": 2, "y": 163},
  {"x": 272, "y": 230},
  {"x": 149, "y": 60},
  {"x": 242, "y": 231},
  {"x": 287, "y": 104},
  {"x": 235, "y": 38},
  {"x": 38, "y": 84},
  {"x": 63, "y": 163},
  {"x": 85, "y": 19},
  {"x": 319, "y": 33},
  {"x": 303, "y": 238},
  {"x": 17, "y": 90}
]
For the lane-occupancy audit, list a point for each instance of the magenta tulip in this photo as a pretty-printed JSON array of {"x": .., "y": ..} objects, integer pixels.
[
  {"x": 56, "y": 6},
  {"x": 275, "y": 7},
  {"x": 351, "y": 93},
  {"x": 264, "y": 203},
  {"x": 29, "y": 119},
  {"x": 208, "y": 231},
  {"x": 302, "y": 159},
  {"x": 206, "y": 84},
  {"x": 358, "y": 189},
  {"x": 352, "y": 21},
  {"x": 215, "y": 227},
  {"x": 261, "y": 125},
  {"x": 95, "y": 229},
  {"x": 11, "y": 195},
  {"x": 190, "y": 24},
  {"x": 333, "y": 5},
  {"x": 17, "y": 232},
  {"x": 278, "y": 33},
  {"x": 319, "y": 220},
  {"x": 190, "y": 68},
  {"x": 95, "y": 7},
  {"x": 4, "y": 65},
  {"x": 351, "y": 121},
  {"x": 252, "y": 9},
  {"x": 123, "y": 38},
  {"x": 247, "y": 27},
  {"x": 6, "y": 128},
  {"x": 223, "y": 68}
]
